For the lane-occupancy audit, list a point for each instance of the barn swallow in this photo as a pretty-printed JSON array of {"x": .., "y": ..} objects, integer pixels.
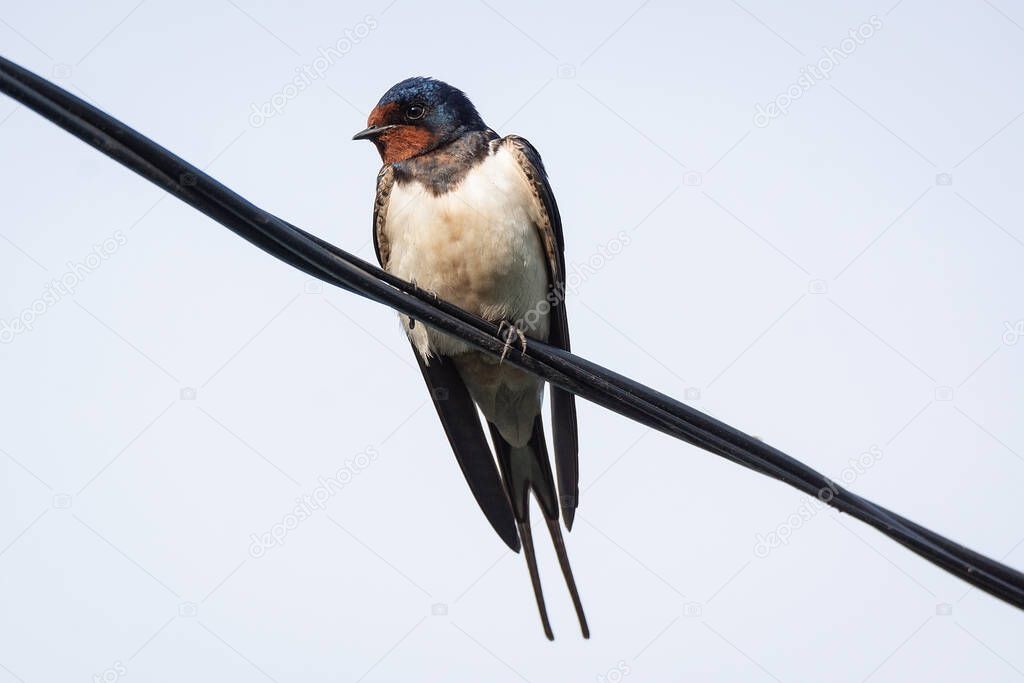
[{"x": 470, "y": 216}]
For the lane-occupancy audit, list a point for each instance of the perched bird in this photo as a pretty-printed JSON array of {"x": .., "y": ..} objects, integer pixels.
[{"x": 470, "y": 217}]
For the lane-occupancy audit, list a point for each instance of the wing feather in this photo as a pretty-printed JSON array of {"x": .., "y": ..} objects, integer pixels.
[
  {"x": 385, "y": 181},
  {"x": 563, "y": 403}
]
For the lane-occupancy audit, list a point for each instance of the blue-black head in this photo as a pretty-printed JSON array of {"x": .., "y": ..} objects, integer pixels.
[{"x": 419, "y": 115}]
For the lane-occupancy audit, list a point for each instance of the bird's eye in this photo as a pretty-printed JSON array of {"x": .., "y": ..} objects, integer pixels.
[{"x": 415, "y": 111}]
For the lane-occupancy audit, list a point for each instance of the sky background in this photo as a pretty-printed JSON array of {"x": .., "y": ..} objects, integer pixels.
[{"x": 842, "y": 279}]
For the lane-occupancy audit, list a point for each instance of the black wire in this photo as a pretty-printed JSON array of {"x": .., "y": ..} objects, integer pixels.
[{"x": 323, "y": 260}]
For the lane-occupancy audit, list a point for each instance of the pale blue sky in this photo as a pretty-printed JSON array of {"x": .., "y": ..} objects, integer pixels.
[{"x": 841, "y": 280}]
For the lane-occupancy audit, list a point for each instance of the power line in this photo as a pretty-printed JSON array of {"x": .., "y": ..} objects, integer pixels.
[{"x": 327, "y": 262}]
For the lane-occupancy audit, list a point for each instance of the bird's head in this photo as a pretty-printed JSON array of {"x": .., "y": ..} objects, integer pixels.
[{"x": 419, "y": 115}]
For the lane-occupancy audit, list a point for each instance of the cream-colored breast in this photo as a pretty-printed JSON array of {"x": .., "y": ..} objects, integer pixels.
[{"x": 476, "y": 246}]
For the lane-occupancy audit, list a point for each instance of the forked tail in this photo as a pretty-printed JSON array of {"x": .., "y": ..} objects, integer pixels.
[{"x": 525, "y": 469}]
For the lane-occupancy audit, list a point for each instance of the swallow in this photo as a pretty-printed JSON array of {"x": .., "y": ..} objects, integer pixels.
[{"x": 470, "y": 216}]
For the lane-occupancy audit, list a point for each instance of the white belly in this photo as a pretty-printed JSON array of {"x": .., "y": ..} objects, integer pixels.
[{"x": 476, "y": 246}]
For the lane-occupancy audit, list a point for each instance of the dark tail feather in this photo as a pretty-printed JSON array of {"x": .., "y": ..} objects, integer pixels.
[
  {"x": 570, "y": 582},
  {"x": 531, "y": 472},
  {"x": 567, "y": 469},
  {"x": 531, "y": 563}
]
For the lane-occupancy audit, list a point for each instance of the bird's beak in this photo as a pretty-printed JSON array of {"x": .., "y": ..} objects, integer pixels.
[{"x": 372, "y": 132}]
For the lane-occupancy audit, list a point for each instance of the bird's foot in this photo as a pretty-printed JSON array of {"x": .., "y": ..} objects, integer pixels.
[
  {"x": 423, "y": 291},
  {"x": 510, "y": 333}
]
